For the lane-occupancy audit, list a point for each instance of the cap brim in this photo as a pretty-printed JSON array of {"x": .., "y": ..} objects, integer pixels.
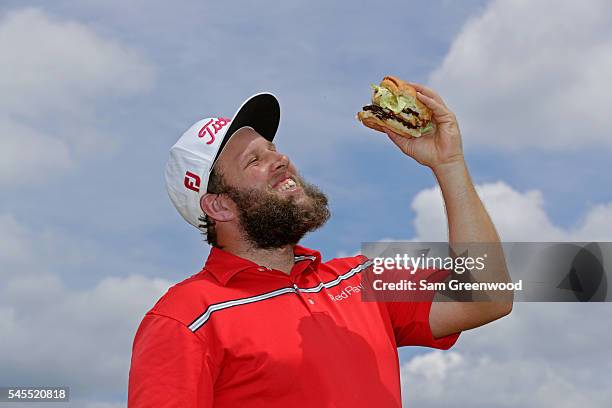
[{"x": 260, "y": 112}]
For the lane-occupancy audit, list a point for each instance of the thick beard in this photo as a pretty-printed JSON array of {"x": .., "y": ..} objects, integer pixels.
[{"x": 269, "y": 221}]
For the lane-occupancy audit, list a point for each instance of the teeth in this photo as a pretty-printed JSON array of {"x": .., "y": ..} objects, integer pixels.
[{"x": 288, "y": 184}]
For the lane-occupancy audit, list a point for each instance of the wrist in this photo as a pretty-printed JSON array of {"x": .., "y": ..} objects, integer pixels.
[
  {"x": 455, "y": 165},
  {"x": 454, "y": 180}
]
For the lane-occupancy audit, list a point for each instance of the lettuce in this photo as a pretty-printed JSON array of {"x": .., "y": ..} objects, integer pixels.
[
  {"x": 427, "y": 128},
  {"x": 396, "y": 103}
]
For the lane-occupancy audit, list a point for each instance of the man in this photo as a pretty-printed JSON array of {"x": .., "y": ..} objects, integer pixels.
[{"x": 266, "y": 323}]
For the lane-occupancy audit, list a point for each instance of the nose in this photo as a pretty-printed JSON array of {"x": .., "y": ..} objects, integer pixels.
[{"x": 280, "y": 161}]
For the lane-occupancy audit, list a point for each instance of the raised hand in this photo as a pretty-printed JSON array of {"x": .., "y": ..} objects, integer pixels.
[{"x": 440, "y": 146}]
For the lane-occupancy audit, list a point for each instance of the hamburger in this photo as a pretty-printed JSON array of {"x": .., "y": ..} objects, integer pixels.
[{"x": 395, "y": 107}]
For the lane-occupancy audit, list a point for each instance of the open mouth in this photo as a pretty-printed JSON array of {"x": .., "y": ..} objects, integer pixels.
[{"x": 287, "y": 184}]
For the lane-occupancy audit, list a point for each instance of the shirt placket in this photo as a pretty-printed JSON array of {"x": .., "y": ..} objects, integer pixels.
[{"x": 293, "y": 279}]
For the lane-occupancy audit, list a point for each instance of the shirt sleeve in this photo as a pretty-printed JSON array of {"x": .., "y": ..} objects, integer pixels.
[
  {"x": 170, "y": 367},
  {"x": 410, "y": 320}
]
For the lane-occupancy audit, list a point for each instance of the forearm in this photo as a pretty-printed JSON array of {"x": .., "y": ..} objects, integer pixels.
[
  {"x": 468, "y": 220},
  {"x": 470, "y": 228}
]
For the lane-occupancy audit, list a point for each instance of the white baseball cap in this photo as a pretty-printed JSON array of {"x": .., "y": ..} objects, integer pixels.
[{"x": 193, "y": 156}]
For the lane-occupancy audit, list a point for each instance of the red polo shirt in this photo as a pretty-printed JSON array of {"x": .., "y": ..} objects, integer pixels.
[{"x": 239, "y": 335}]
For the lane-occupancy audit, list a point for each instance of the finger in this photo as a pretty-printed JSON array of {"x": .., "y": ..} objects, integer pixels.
[
  {"x": 440, "y": 111},
  {"x": 399, "y": 140},
  {"x": 393, "y": 136},
  {"x": 427, "y": 91}
]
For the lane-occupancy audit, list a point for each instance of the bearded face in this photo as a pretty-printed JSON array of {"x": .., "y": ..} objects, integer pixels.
[{"x": 270, "y": 220}]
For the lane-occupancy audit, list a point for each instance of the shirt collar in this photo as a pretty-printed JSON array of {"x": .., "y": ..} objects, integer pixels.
[{"x": 223, "y": 265}]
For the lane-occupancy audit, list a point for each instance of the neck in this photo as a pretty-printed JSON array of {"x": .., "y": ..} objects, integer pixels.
[{"x": 281, "y": 259}]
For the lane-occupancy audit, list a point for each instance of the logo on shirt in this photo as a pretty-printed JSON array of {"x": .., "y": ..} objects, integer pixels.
[{"x": 346, "y": 292}]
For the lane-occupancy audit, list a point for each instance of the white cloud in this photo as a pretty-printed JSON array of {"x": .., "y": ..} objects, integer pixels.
[
  {"x": 13, "y": 240},
  {"x": 542, "y": 355},
  {"x": 56, "y": 72},
  {"x": 518, "y": 216},
  {"x": 27, "y": 153},
  {"x": 52, "y": 332},
  {"x": 597, "y": 225},
  {"x": 539, "y": 356},
  {"x": 77, "y": 337},
  {"x": 25, "y": 251},
  {"x": 521, "y": 76},
  {"x": 433, "y": 366}
]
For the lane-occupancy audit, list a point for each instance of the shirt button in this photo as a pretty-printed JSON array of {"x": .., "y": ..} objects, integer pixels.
[{"x": 311, "y": 301}]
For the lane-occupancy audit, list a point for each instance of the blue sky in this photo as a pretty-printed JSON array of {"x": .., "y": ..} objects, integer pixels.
[{"x": 93, "y": 94}]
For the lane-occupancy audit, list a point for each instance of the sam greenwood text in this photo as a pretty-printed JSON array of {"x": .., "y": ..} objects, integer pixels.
[{"x": 453, "y": 284}]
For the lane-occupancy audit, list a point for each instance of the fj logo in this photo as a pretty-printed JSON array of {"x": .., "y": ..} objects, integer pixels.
[{"x": 192, "y": 181}]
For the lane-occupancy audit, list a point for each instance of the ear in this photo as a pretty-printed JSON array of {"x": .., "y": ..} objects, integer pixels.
[{"x": 218, "y": 207}]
